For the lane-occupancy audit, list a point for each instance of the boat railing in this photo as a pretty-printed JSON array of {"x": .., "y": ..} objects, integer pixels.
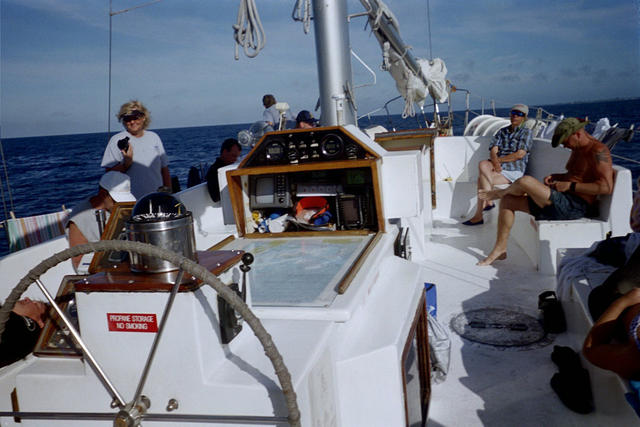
[{"x": 422, "y": 120}]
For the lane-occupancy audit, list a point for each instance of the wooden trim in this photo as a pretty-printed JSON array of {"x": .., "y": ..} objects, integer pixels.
[
  {"x": 375, "y": 182},
  {"x": 237, "y": 183},
  {"x": 222, "y": 243},
  {"x": 253, "y": 150},
  {"x": 348, "y": 278},
  {"x": 413, "y": 139},
  {"x": 234, "y": 184},
  {"x": 340, "y": 129},
  {"x": 406, "y": 134},
  {"x": 308, "y": 234},
  {"x": 124, "y": 280},
  {"x": 367, "y": 149},
  {"x": 237, "y": 180},
  {"x": 337, "y": 164},
  {"x": 64, "y": 346},
  {"x": 15, "y": 405},
  {"x": 120, "y": 213},
  {"x": 419, "y": 331}
]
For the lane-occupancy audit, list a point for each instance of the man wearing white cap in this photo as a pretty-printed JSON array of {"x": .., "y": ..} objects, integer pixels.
[
  {"x": 508, "y": 156},
  {"x": 83, "y": 226}
]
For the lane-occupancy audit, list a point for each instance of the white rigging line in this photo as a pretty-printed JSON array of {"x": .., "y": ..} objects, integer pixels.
[
  {"x": 113, "y": 13},
  {"x": 248, "y": 31},
  {"x": 118, "y": 12},
  {"x": 429, "y": 30}
]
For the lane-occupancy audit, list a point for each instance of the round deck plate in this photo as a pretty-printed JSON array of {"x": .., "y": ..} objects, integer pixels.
[{"x": 498, "y": 327}]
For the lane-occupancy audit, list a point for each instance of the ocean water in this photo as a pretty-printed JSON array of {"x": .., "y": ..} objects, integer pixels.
[{"x": 47, "y": 172}]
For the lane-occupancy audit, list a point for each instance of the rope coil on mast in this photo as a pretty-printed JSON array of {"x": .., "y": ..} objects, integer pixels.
[
  {"x": 302, "y": 13},
  {"x": 248, "y": 31}
]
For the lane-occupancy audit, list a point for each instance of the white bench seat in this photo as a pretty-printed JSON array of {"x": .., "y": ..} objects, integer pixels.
[
  {"x": 540, "y": 239},
  {"x": 457, "y": 161}
]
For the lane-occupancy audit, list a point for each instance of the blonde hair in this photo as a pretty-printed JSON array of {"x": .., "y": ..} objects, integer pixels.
[{"x": 128, "y": 107}]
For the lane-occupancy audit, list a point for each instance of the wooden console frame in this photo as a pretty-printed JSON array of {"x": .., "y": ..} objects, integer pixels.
[{"x": 239, "y": 187}]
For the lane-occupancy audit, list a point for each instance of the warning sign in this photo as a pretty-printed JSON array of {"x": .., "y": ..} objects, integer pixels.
[{"x": 132, "y": 322}]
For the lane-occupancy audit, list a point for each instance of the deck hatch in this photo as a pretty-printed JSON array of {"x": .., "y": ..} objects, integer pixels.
[
  {"x": 499, "y": 327},
  {"x": 300, "y": 271}
]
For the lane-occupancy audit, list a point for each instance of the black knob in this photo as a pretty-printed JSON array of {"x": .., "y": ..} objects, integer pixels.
[{"x": 247, "y": 258}]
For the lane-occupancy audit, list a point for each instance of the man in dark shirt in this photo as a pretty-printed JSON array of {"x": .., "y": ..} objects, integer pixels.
[
  {"x": 22, "y": 330},
  {"x": 229, "y": 153}
]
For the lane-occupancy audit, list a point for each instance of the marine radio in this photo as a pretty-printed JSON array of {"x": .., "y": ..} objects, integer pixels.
[{"x": 269, "y": 191}]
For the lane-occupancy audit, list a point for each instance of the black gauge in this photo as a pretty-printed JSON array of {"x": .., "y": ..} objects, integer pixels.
[
  {"x": 351, "y": 150},
  {"x": 275, "y": 151},
  {"x": 331, "y": 146}
]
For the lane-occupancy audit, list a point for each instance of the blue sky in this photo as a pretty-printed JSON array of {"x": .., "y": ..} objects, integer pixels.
[{"x": 177, "y": 57}]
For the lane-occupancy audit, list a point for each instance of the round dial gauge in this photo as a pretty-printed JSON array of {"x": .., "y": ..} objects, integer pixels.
[
  {"x": 275, "y": 151},
  {"x": 331, "y": 146}
]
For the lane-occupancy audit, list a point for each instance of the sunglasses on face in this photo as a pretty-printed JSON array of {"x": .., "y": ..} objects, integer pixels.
[
  {"x": 134, "y": 115},
  {"x": 517, "y": 113}
]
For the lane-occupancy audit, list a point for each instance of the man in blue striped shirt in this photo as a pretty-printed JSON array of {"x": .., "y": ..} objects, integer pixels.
[{"x": 508, "y": 156}]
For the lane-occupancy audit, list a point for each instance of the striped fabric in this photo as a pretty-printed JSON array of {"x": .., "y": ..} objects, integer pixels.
[{"x": 29, "y": 231}]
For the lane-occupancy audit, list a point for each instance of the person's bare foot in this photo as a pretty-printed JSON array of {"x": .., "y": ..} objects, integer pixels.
[
  {"x": 493, "y": 257},
  {"x": 491, "y": 194}
]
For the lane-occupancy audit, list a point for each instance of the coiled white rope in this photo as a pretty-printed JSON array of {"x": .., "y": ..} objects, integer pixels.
[
  {"x": 383, "y": 9},
  {"x": 302, "y": 13},
  {"x": 248, "y": 31}
]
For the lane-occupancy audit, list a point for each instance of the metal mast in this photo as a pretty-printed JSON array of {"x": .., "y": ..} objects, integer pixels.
[{"x": 334, "y": 62}]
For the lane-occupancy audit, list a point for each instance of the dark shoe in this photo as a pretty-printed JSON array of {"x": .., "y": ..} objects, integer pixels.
[
  {"x": 553, "y": 320},
  {"x": 489, "y": 207},
  {"x": 574, "y": 390},
  {"x": 565, "y": 358},
  {"x": 468, "y": 222}
]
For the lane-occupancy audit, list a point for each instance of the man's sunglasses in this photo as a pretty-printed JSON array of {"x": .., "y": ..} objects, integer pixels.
[{"x": 517, "y": 113}]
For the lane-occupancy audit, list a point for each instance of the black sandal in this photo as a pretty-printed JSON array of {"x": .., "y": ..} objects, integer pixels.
[{"x": 553, "y": 320}]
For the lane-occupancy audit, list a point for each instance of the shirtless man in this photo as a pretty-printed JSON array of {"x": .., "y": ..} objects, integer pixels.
[{"x": 562, "y": 196}]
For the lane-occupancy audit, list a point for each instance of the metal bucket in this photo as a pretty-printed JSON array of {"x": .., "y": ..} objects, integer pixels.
[{"x": 174, "y": 234}]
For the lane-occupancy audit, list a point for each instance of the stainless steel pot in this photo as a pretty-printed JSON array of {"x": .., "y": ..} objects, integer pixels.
[{"x": 168, "y": 230}]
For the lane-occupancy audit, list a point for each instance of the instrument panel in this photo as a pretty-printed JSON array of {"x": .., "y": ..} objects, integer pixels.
[{"x": 306, "y": 146}]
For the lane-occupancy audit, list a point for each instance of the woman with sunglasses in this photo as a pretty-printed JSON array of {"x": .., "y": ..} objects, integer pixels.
[
  {"x": 138, "y": 152},
  {"x": 508, "y": 156}
]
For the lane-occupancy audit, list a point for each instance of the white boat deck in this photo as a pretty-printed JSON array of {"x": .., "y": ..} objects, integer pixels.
[{"x": 488, "y": 385}]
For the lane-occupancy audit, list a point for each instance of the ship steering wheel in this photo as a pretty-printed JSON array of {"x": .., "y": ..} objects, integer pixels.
[{"x": 133, "y": 412}]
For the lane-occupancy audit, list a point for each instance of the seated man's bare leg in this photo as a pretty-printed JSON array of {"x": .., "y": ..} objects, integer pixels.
[
  {"x": 527, "y": 185},
  {"x": 508, "y": 207},
  {"x": 487, "y": 178},
  {"x": 539, "y": 192}
]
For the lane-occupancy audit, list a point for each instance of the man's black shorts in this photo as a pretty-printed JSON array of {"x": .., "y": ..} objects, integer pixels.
[{"x": 563, "y": 206}]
